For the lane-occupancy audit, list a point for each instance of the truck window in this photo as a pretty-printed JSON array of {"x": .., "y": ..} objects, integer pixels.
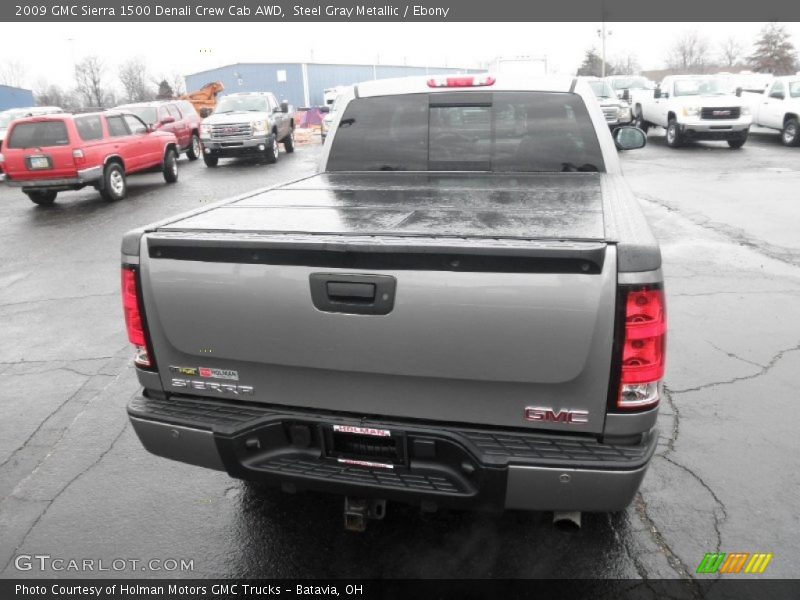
[
  {"x": 135, "y": 125},
  {"x": 777, "y": 91},
  {"x": 89, "y": 128},
  {"x": 467, "y": 131},
  {"x": 116, "y": 127},
  {"x": 174, "y": 112},
  {"x": 794, "y": 89},
  {"x": 40, "y": 134}
]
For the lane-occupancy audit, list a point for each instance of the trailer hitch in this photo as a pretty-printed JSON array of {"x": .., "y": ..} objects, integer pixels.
[{"x": 358, "y": 510}]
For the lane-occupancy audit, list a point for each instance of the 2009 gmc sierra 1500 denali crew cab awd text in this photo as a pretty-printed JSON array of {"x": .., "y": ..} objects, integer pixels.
[{"x": 464, "y": 308}]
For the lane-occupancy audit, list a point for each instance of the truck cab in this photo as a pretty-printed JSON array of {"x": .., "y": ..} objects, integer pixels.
[{"x": 778, "y": 107}]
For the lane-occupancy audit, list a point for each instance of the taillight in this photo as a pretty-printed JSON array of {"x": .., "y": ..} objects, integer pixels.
[
  {"x": 643, "y": 348},
  {"x": 463, "y": 81},
  {"x": 133, "y": 317},
  {"x": 78, "y": 156}
]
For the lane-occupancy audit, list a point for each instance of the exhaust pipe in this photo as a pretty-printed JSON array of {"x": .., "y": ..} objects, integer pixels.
[{"x": 567, "y": 519}]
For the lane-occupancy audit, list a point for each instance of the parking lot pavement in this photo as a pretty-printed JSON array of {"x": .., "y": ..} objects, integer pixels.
[{"x": 75, "y": 482}]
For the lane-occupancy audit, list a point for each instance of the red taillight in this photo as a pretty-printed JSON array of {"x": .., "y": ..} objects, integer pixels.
[
  {"x": 78, "y": 156},
  {"x": 643, "y": 348},
  {"x": 463, "y": 81},
  {"x": 133, "y": 317}
]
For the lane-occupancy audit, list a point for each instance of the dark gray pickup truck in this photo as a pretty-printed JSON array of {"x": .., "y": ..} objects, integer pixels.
[{"x": 464, "y": 309}]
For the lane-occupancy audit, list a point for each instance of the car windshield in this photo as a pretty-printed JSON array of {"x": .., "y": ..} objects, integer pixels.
[
  {"x": 601, "y": 89},
  {"x": 631, "y": 83},
  {"x": 702, "y": 86},
  {"x": 9, "y": 115},
  {"x": 231, "y": 104},
  {"x": 466, "y": 131},
  {"x": 148, "y": 114}
]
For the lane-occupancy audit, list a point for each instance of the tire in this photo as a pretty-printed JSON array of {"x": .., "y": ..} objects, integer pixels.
[
  {"x": 737, "y": 143},
  {"x": 674, "y": 137},
  {"x": 288, "y": 142},
  {"x": 42, "y": 198},
  {"x": 790, "y": 136},
  {"x": 638, "y": 121},
  {"x": 115, "y": 184},
  {"x": 195, "y": 149},
  {"x": 170, "y": 167},
  {"x": 210, "y": 160},
  {"x": 272, "y": 152}
]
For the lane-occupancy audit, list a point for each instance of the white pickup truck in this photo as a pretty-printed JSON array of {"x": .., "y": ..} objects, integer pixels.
[
  {"x": 778, "y": 107},
  {"x": 693, "y": 107}
]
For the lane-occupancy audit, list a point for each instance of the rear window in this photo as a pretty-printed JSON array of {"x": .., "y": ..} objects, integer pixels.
[
  {"x": 89, "y": 128},
  {"x": 38, "y": 135},
  {"x": 467, "y": 131}
]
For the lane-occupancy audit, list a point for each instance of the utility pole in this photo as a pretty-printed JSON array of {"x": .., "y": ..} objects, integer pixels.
[{"x": 603, "y": 35}]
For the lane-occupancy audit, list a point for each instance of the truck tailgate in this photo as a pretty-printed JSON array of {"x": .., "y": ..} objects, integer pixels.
[{"x": 502, "y": 297}]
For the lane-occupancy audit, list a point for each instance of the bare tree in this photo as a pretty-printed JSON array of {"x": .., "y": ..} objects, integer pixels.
[
  {"x": 89, "y": 81},
  {"x": 627, "y": 65},
  {"x": 178, "y": 84},
  {"x": 13, "y": 73},
  {"x": 53, "y": 95},
  {"x": 689, "y": 53},
  {"x": 731, "y": 50},
  {"x": 133, "y": 76}
]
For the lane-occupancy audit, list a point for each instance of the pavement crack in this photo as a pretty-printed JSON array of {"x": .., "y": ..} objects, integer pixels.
[
  {"x": 61, "y": 491},
  {"x": 761, "y": 372},
  {"x": 45, "y": 300},
  {"x": 673, "y": 559},
  {"x": 55, "y": 360},
  {"x": 717, "y": 520},
  {"x": 737, "y": 357},
  {"x": 733, "y": 234}
]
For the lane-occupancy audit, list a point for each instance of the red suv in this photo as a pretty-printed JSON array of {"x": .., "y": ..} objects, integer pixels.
[
  {"x": 176, "y": 116},
  {"x": 48, "y": 154}
]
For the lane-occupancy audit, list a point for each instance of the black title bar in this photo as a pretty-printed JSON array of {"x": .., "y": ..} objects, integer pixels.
[{"x": 413, "y": 11}]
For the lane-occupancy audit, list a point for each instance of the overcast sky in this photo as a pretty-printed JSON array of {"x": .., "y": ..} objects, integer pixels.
[{"x": 190, "y": 47}]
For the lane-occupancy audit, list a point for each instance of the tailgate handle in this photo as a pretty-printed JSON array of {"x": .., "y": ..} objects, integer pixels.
[
  {"x": 353, "y": 293},
  {"x": 340, "y": 291}
]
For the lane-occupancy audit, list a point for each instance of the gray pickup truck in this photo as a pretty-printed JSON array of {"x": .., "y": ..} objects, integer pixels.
[
  {"x": 247, "y": 124},
  {"x": 464, "y": 308}
]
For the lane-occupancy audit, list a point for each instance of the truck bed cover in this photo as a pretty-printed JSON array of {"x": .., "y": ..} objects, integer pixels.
[{"x": 485, "y": 209}]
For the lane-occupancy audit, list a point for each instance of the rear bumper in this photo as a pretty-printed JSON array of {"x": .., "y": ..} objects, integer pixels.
[
  {"x": 455, "y": 466},
  {"x": 83, "y": 177}
]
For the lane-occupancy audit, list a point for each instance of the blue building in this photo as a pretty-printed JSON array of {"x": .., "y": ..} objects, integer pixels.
[
  {"x": 303, "y": 84},
  {"x": 14, "y": 97}
]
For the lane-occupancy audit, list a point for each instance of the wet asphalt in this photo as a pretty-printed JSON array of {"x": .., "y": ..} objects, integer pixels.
[{"x": 76, "y": 484}]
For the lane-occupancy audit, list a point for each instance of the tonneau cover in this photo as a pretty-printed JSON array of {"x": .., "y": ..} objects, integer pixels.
[{"x": 497, "y": 205}]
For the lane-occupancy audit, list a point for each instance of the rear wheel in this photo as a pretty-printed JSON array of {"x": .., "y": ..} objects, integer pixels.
[
  {"x": 271, "y": 153},
  {"x": 115, "y": 185},
  {"x": 210, "y": 160},
  {"x": 44, "y": 198},
  {"x": 288, "y": 142},
  {"x": 790, "y": 136},
  {"x": 674, "y": 136},
  {"x": 170, "y": 166},
  {"x": 195, "y": 149}
]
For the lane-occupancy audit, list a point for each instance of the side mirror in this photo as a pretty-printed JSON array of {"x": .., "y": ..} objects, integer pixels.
[
  {"x": 739, "y": 91},
  {"x": 284, "y": 107},
  {"x": 626, "y": 95},
  {"x": 657, "y": 93},
  {"x": 629, "y": 138},
  {"x": 167, "y": 120}
]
